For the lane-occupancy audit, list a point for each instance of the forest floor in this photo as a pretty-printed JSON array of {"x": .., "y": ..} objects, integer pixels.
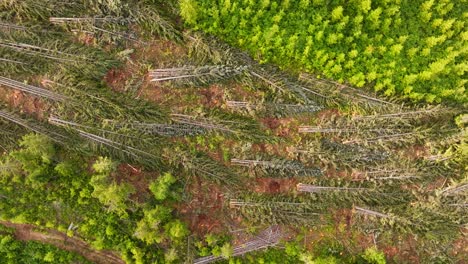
[{"x": 27, "y": 232}]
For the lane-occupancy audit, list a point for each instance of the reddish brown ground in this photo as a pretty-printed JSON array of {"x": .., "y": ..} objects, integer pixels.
[
  {"x": 204, "y": 212},
  {"x": 436, "y": 184},
  {"x": 407, "y": 251},
  {"x": 156, "y": 54},
  {"x": 87, "y": 39},
  {"x": 26, "y": 232},
  {"x": 178, "y": 99},
  {"x": 328, "y": 114},
  {"x": 162, "y": 53},
  {"x": 390, "y": 251},
  {"x": 331, "y": 172},
  {"x": 357, "y": 175},
  {"x": 242, "y": 93},
  {"x": 272, "y": 185},
  {"x": 272, "y": 123},
  {"x": 140, "y": 180},
  {"x": 213, "y": 96},
  {"x": 460, "y": 249},
  {"x": 355, "y": 242},
  {"x": 117, "y": 78},
  {"x": 265, "y": 148},
  {"x": 415, "y": 152}
]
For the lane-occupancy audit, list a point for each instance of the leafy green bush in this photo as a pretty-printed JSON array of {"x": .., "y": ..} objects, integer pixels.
[{"x": 372, "y": 255}]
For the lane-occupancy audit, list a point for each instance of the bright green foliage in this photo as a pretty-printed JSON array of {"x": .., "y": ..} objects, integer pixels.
[
  {"x": 171, "y": 256},
  {"x": 323, "y": 260},
  {"x": 13, "y": 251},
  {"x": 10, "y": 168},
  {"x": 415, "y": 49},
  {"x": 372, "y": 255},
  {"x": 160, "y": 187}
]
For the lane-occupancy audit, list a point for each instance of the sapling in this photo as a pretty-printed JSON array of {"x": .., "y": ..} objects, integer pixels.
[
  {"x": 275, "y": 108},
  {"x": 301, "y": 187},
  {"x": 365, "y": 211},
  {"x": 56, "y": 136}
]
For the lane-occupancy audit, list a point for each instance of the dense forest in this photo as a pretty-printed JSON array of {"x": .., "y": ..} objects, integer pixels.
[
  {"x": 413, "y": 49},
  {"x": 193, "y": 131}
]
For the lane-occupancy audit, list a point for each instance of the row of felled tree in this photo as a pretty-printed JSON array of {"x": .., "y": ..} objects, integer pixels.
[{"x": 44, "y": 185}]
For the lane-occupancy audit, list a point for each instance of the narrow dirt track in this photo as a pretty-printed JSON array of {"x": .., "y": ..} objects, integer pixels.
[{"x": 25, "y": 232}]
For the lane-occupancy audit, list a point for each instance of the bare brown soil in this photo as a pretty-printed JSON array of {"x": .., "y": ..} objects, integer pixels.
[
  {"x": 271, "y": 185},
  {"x": 408, "y": 252},
  {"x": 242, "y": 93},
  {"x": 26, "y": 232},
  {"x": 177, "y": 99},
  {"x": 204, "y": 210}
]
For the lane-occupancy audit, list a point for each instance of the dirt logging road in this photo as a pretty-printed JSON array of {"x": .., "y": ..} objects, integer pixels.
[{"x": 26, "y": 232}]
